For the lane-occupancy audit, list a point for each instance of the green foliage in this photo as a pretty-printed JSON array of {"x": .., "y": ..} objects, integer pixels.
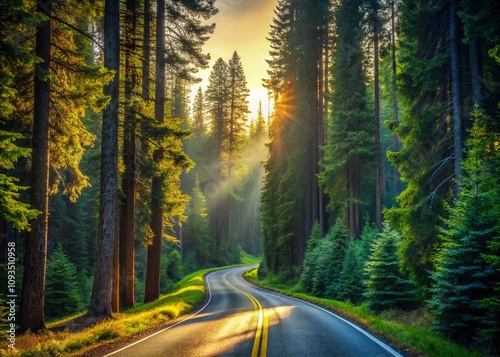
[
  {"x": 12, "y": 209},
  {"x": 310, "y": 259},
  {"x": 16, "y": 57},
  {"x": 464, "y": 278},
  {"x": 353, "y": 274},
  {"x": 171, "y": 270},
  {"x": 62, "y": 296},
  {"x": 195, "y": 231},
  {"x": 386, "y": 287},
  {"x": 350, "y": 143}
]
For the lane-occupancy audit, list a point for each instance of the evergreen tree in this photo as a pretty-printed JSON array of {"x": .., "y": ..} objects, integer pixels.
[
  {"x": 32, "y": 298},
  {"x": 198, "y": 114},
  {"x": 311, "y": 258},
  {"x": 292, "y": 200},
  {"x": 100, "y": 302},
  {"x": 463, "y": 278},
  {"x": 216, "y": 97},
  {"x": 61, "y": 291},
  {"x": 353, "y": 275},
  {"x": 15, "y": 57},
  {"x": 348, "y": 151},
  {"x": 331, "y": 251},
  {"x": 12, "y": 209},
  {"x": 386, "y": 287},
  {"x": 196, "y": 230}
]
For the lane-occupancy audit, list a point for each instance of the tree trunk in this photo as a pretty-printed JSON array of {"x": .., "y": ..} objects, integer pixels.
[
  {"x": 33, "y": 290},
  {"x": 395, "y": 109},
  {"x": 456, "y": 95},
  {"x": 154, "y": 250},
  {"x": 475, "y": 70},
  {"x": 100, "y": 302},
  {"x": 218, "y": 232},
  {"x": 127, "y": 217},
  {"x": 378, "y": 159},
  {"x": 115, "y": 286}
]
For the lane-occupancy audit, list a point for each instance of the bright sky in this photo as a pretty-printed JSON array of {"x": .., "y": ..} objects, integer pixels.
[{"x": 242, "y": 26}]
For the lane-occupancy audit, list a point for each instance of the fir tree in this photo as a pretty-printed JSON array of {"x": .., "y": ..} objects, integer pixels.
[
  {"x": 386, "y": 287},
  {"x": 196, "y": 233},
  {"x": 348, "y": 150},
  {"x": 61, "y": 291},
  {"x": 464, "y": 276},
  {"x": 310, "y": 259}
]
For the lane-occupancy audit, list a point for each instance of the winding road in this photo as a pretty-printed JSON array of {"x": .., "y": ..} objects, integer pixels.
[{"x": 240, "y": 320}]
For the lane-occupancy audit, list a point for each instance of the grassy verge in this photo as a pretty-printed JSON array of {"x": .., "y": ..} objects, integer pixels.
[
  {"x": 185, "y": 297},
  {"x": 413, "y": 338}
]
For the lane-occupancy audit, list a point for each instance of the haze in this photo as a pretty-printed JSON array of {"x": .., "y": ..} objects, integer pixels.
[{"x": 242, "y": 26}]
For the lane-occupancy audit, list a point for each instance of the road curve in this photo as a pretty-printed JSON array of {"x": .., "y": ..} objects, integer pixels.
[{"x": 240, "y": 320}]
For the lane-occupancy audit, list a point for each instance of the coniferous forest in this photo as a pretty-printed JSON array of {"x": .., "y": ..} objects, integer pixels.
[{"x": 374, "y": 180}]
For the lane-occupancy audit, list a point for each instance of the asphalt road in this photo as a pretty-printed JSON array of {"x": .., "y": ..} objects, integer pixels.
[{"x": 240, "y": 320}]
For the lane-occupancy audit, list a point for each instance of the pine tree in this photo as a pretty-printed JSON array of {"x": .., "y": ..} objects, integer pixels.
[
  {"x": 464, "y": 275},
  {"x": 386, "y": 287},
  {"x": 425, "y": 161},
  {"x": 331, "y": 251},
  {"x": 310, "y": 259},
  {"x": 291, "y": 196},
  {"x": 238, "y": 111},
  {"x": 15, "y": 56},
  {"x": 61, "y": 291},
  {"x": 100, "y": 302},
  {"x": 196, "y": 233},
  {"x": 348, "y": 150},
  {"x": 32, "y": 298}
]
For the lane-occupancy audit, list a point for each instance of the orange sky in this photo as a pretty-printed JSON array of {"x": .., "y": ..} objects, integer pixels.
[{"x": 242, "y": 26}]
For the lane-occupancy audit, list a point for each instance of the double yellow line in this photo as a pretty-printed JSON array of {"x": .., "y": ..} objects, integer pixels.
[{"x": 261, "y": 335}]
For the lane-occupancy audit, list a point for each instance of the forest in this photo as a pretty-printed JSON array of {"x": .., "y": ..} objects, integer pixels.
[{"x": 375, "y": 180}]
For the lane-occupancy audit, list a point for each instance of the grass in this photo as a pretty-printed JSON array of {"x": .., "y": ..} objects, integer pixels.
[
  {"x": 186, "y": 295},
  {"x": 410, "y": 332}
]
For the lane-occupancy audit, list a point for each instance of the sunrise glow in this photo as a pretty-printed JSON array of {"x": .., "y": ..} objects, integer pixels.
[{"x": 242, "y": 26}]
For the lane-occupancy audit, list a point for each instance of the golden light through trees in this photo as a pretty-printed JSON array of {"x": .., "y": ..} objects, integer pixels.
[{"x": 242, "y": 26}]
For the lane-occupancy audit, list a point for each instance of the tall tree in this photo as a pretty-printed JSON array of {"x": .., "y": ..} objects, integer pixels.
[
  {"x": 350, "y": 144},
  {"x": 127, "y": 215},
  {"x": 238, "y": 111},
  {"x": 463, "y": 277},
  {"x": 100, "y": 303},
  {"x": 32, "y": 300},
  {"x": 217, "y": 96},
  {"x": 374, "y": 20},
  {"x": 386, "y": 287},
  {"x": 291, "y": 196},
  {"x": 154, "y": 250},
  {"x": 426, "y": 159}
]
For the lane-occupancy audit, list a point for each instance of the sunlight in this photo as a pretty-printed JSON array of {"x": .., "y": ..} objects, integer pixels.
[{"x": 232, "y": 330}]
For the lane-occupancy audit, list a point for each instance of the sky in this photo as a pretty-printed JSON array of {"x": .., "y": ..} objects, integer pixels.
[{"x": 242, "y": 26}]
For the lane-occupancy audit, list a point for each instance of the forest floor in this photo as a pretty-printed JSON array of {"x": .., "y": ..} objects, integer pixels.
[{"x": 409, "y": 331}]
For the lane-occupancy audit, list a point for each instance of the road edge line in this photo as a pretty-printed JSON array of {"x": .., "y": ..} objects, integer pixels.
[
  {"x": 171, "y": 326},
  {"x": 385, "y": 346}
]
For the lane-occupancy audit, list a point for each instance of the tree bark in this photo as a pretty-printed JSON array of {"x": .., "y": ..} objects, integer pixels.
[
  {"x": 395, "y": 109},
  {"x": 475, "y": 70},
  {"x": 127, "y": 216},
  {"x": 456, "y": 95},
  {"x": 33, "y": 290},
  {"x": 100, "y": 302},
  {"x": 378, "y": 159},
  {"x": 154, "y": 250}
]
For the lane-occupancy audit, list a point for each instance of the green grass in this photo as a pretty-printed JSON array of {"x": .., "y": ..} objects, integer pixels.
[
  {"x": 413, "y": 335},
  {"x": 186, "y": 295}
]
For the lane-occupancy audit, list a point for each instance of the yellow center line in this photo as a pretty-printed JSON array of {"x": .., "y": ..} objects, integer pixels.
[{"x": 261, "y": 335}]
